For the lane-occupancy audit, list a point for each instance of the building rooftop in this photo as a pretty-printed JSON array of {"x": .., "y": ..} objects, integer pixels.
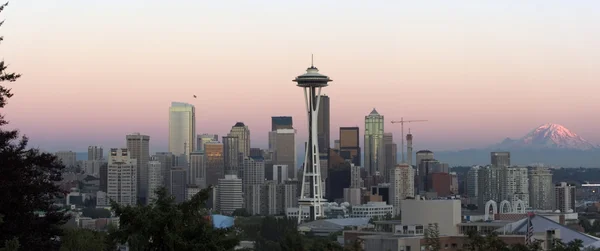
[{"x": 541, "y": 224}]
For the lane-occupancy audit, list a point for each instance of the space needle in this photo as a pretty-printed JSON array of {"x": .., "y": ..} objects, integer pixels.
[{"x": 312, "y": 82}]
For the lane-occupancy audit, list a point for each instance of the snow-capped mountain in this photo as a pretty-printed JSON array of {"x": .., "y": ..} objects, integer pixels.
[{"x": 548, "y": 136}]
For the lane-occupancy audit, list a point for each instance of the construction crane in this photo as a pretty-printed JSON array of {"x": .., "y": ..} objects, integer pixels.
[{"x": 401, "y": 122}]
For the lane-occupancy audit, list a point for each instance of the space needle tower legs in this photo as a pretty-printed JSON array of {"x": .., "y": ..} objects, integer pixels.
[{"x": 312, "y": 82}]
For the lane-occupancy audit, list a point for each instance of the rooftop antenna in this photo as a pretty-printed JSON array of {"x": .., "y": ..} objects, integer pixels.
[{"x": 312, "y": 60}]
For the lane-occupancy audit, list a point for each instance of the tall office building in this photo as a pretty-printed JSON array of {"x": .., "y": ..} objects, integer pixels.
[
  {"x": 205, "y": 138},
  {"x": 471, "y": 185},
  {"x": 95, "y": 153},
  {"x": 284, "y": 152},
  {"x": 281, "y": 122},
  {"x": 166, "y": 160},
  {"x": 280, "y": 173},
  {"x": 374, "y": 147},
  {"x": 197, "y": 173},
  {"x": 122, "y": 177},
  {"x": 391, "y": 151},
  {"x": 139, "y": 149},
  {"x": 178, "y": 184},
  {"x": 423, "y": 154},
  {"x": 68, "y": 158},
  {"x": 254, "y": 172},
  {"x": 242, "y": 132},
  {"x": 500, "y": 159},
  {"x": 155, "y": 180},
  {"x": 230, "y": 194},
  {"x": 564, "y": 197},
  {"x": 349, "y": 147},
  {"x": 323, "y": 125},
  {"x": 231, "y": 154},
  {"x": 402, "y": 185},
  {"x": 182, "y": 128},
  {"x": 215, "y": 169},
  {"x": 426, "y": 168},
  {"x": 541, "y": 189}
]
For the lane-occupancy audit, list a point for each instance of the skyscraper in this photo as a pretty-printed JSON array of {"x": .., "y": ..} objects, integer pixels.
[
  {"x": 139, "y": 149},
  {"x": 182, "y": 128},
  {"x": 178, "y": 184},
  {"x": 323, "y": 126},
  {"x": 374, "y": 147},
  {"x": 281, "y": 122},
  {"x": 215, "y": 169},
  {"x": 390, "y": 154},
  {"x": 500, "y": 159},
  {"x": 471, "y": 185},
  {"x": 122, "y": 177},
  {"x": 95, "y": 153},
  {"x": 197, "y": 173},
  {"x": 541, "y": 189},
  {"x": 166, "y": 160},
  {"x": 231, "y": 154},
  {"x": 254, "y": 172},
  {"x": 284, "y": 152},
  {"x": 349, "y": 144},
  {"x": 242, "y": 132},
  {"x": 409, "y": 148},
  {"x": 155, "y": 179}
]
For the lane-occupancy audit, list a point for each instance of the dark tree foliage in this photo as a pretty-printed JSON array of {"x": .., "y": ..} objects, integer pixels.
[
  {"x": 166, "y": 225},
  {"x": 96, "y": 213},
  {"x": 27, "y": 185},
  {"x": 492, "y": 242},
  {"x": 83, "y": 239}
]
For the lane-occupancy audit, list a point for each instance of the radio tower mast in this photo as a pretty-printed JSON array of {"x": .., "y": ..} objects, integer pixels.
[{"x": 312, "y": 82}]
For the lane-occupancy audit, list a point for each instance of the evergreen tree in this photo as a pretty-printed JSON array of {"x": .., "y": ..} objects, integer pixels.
[
  {"x": 166, "y": 225},
  {"x": 27, "y": 186}
]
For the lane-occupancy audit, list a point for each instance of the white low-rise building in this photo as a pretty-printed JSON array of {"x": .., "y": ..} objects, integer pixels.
[{"x": 372, "y": 209}]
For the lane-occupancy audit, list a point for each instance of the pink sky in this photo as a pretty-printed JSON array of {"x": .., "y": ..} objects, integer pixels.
[{"x": 479, "y": 72}]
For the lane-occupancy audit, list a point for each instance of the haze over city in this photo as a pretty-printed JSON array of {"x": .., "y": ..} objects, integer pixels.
[{"x": 480, "y": 72}]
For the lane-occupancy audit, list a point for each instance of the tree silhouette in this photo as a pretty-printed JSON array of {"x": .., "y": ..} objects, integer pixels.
[{"x": 27, "y": 186}]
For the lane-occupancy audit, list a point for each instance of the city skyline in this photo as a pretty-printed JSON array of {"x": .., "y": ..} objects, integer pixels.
[{"x": 539, "y": 57}]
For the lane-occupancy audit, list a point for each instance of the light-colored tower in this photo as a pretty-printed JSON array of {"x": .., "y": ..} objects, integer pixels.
[
  {"x": 312, "y": 82},
  {"x": 139, "y": 149},
  {"x": 541, "y": 189},
  {"x": 409, "y": 148},
  {"x": 242, "y": 132},
  {"x": 565, "y": 197},
  {"x": 231, "y": 154},
  {"x": 182, "y": 128},
  {"x": 197, "y": 174},
  {"x": 122, "y": 177},
  {"x": 402, "y": 185},
  {"x": 374, "y": 146},
  {"x": 514, "y": 184},
  {"x": 68, "y": 158},
  {"x": 230, "y": 194},
  {"x": 95, "y": 153},
  {"x": 155, "y": 179}
]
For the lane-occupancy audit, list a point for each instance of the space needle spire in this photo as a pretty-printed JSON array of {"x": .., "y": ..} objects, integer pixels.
[{"x": 312, "y": 82}]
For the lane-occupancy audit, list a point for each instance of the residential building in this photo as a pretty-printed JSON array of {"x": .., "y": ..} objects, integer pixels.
[
  {"x": 564, "y": 197},
  {"x": 401, "y": 185},
  {"x": 230, "y": 194},
  {"x": 254, "y": 172},
  {"x": 122, "y": 177},
  {"x": 95, "y": 153},
  {"x": 541, "y": 189},
  {"x": 471, "y": 185},
  {"x": 68, "y": 158},
  {"x": 155, "y": 180},
  {"x": 280, "y": 173}
]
